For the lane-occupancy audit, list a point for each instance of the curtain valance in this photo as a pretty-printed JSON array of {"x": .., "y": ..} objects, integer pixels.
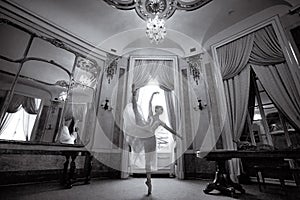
[
  {"x": 160, "y": 70},
  {"x": 27, "y": 103},
  {"x": 260, "y": 47}
]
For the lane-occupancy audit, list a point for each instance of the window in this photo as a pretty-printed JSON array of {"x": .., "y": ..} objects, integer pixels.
[
  {"x": 18, "y": 124},
  {"x": 267, "y": 125}
]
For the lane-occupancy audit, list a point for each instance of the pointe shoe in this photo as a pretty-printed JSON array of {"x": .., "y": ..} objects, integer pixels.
[{"x": 149, "y": 185}]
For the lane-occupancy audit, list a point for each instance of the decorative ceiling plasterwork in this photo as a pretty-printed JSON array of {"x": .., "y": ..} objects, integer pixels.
[{"x": 164, "y": 9}]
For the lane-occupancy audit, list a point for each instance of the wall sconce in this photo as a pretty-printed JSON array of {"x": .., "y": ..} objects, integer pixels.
[
  {"x": 106, "y": 105},
  {"x": 200, "y": 106}
]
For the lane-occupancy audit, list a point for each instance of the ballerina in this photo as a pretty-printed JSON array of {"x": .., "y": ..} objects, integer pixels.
[{"x": 146, "y": 135}]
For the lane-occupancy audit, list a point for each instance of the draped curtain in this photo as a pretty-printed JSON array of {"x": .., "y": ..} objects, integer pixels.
[
  {"x": 233, "y": 59},
  {"x": 276, "y": 76},
  {"x": 15, "y": 103},
  {"x": 262, "y": 51},
  {"x": 237, "y": 95},
  {"x": 163, "y": 72},
  {"x": 276, "y": 79},
  {"x": 28, "y": 103}
]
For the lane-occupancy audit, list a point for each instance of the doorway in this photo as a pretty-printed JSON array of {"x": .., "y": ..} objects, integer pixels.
[{"x": 165, "y": 143}]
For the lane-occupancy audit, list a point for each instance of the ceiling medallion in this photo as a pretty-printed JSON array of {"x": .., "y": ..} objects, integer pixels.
[
  {"x": 155, "y": 6},
  {"x": 156, "y": 12}
]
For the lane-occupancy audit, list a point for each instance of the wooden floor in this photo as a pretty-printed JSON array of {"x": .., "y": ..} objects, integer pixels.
[{"x": 135, "y": 189}]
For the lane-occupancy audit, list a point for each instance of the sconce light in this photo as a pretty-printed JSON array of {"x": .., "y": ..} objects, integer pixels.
[
  {"x": 106, "y": 105},
  {"x": 200, "y": 106},
  {"x": 62, "y": 96}
]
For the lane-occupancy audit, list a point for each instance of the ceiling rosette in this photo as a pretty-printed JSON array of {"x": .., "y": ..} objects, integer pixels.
[{"x": 164, "y": 9}]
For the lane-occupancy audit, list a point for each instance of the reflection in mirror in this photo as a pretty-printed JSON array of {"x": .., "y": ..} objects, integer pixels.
[
  {"x": 45, "y": 87},
  {"x": 20, "y": 118},
  {"x": 77, "y": 119}
]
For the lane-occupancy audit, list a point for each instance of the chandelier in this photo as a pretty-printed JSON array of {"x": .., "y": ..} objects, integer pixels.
[
  {"x": 155, "y": 12},
  {"x": 156, "y": 30}
]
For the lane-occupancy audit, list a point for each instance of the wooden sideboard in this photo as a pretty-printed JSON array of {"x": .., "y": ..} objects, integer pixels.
[
  {"x": 223, "y": 182},
  {"x": 70, "y": 152}
]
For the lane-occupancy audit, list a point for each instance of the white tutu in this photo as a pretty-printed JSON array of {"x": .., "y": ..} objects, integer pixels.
[{"x": 141, "y": 139}]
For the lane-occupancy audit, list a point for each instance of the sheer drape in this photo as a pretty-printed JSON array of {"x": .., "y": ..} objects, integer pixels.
[
  {"x": 5, "y": 121},
  {"x": 146, "y": 70},
  {"x": 143, "y": 72}
]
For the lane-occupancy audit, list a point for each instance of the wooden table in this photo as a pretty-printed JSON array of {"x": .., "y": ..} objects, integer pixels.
[
  {"x": 223, "y": 182},
  {"x": 68, "y": 151}
]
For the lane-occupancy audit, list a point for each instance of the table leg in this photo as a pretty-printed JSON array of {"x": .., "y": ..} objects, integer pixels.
[
  {"x": 65, "y": 170},
  {"x": 88, "y": 168},
  {"x": 223, "y": 182},
  {"x": 72, "y": 171}
]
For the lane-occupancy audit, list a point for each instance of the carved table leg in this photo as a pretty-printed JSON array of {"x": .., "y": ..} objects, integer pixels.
[
  {"x": 88, "y": 168},
  {"x": 72, "y": 171},
  {"x": 222, "y": 182},
  {"x": 65, "y": 170}
]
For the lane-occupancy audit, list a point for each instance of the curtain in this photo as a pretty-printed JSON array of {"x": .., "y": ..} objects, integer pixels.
[
  {"x": 233, "y": 59},
  {"x": 234, "y": 56},
  {"x": 5, "y": 121},
  {"x": 171, "y": 109},
  {"x": 237, "y": 95},
  {"x": 146, "y": 70},
  {"x": 143, "y": 72},
  {"x": 165, "y": 75},
  {"x": 29, "y": 105},
  {"x": 237, "y": 98},
  {"x": 276, "y": 76},
  {"x": 276, "y": 79},
  {"x": 262, "y": 50},
  {"x": 266, "y": 49},
  {"x": 15, "y": 103}
]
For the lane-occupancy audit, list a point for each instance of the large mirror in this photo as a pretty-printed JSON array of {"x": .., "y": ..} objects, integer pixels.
[
  {"x": 46, "y": 90},
  {"x": 79, "y": 109}
]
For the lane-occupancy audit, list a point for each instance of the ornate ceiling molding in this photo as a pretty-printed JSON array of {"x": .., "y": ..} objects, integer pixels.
[{"x": 164, "y": 9}]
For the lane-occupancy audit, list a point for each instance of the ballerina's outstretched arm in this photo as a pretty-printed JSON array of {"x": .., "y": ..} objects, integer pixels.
[
  {"x": 150, "y": 105},
  {"x": 171, "y": 130}
]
